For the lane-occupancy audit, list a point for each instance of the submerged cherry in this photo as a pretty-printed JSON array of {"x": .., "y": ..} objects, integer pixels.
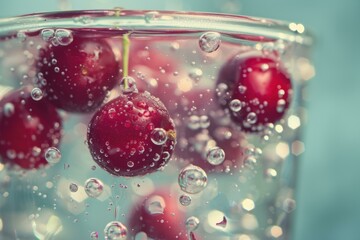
[
  {"x": 78, "y": 76},
  {"x": 28, "y": 128},
  {"x": 132, "y": 135},
  {"x": 255, "y": 88}
]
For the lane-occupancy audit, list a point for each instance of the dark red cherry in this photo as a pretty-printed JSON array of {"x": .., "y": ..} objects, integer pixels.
[
  {"x": 132, "y": 135},
  {"x": 27, "y": 129},
  {"x": 255, "y": 88},
  {"x": 78, "y": 76},
  {"x": 159, "y": 217}
]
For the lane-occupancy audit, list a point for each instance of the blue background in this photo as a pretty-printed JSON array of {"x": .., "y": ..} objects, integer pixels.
[{"x": 329, "y": 195}]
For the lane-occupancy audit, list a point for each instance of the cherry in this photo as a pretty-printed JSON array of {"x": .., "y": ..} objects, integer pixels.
[
  {"x": 159, "y": 217},
  {"x": 255, "y": 88},
  {"x": 28, "y": 128},
  {"x": 132, "y": 135},
  {"x": 78, "y": 76}
]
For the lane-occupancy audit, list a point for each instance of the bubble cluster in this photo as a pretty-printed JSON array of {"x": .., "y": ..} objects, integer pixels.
[
  {"x": 115, "y": 231},
  {"x": 57, "y": 37},
  {"x": 192, "y": 179},
  {"x": 210, "y": 41},
  {"x": 53, "y": 155},
  {"x": 93, "y": 187}
]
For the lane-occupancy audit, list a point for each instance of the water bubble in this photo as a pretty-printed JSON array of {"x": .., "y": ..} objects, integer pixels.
[
  {"x": 193, "y": 122},
  {"x": 36, "y": 94},
  {"x": 251, "y": 118},
  {"x": 155, "y": 205},
  {"x": 64, "y": 37},
  {"x": 215, "y": 156},
  {"x": 73, "y": 187},
  {"x": 192, "y": 179},
  {"x": 242, "y": 89},
  {"x": 141, "y": 236},
  {"x": 289, "y": 205},
  {"x": 47, "y": 34},
  {"x": 195, "y": 74},
  {"x": 9, "y": 109},
  {"x": 250, "y": 162},
  {"x": 158, "y": 136},
  {"x": 115, "y": 231},
  {"x": 270, "y": 174},
  {"x": 130, "y": 164},
  {"x": 204, "y": 121},
  {"x": 210, "y": 41},
  {"x": 131, "y": 85},
  {"x": 235, "y": 105},
  {"x": 94, "y": 235},
  {"x": 192, "y": 223},
  {"x": 93, "y": 187},
  {"x": 185, "y": 200},
  {"x": 280, "y": 107},
  {"x": 53, "y": 155}
]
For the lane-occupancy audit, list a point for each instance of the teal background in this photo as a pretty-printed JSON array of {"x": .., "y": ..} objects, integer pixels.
[{"x": 329, "y": 192}]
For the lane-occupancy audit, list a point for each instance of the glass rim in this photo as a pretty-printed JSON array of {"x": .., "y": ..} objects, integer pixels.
[{"x": 147, "y": 20}]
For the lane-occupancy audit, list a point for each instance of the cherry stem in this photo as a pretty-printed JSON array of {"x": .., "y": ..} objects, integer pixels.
[{"x": 126, "y": 48}]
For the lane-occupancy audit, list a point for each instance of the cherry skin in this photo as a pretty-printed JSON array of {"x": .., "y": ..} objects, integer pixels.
[
  {"x": 159, "y": 217},
  {"x": 28, "y": 128},
  {"x": 132, "y": 135},
  {"x": 78, "y": 76},
  {"x": 261, "y": 84}
]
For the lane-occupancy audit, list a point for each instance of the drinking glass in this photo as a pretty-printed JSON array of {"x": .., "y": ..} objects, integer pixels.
[{"x": 231, "y": 90}]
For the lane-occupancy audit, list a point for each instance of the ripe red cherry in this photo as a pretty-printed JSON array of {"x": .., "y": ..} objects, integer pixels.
[
  {"x": 159, "y": 217},
  {"x": 259, "y": 84},
  {"x": 132, "y": 135},
  {"x": 28, "y": 128},
  {"x": 78, "y": 76}
]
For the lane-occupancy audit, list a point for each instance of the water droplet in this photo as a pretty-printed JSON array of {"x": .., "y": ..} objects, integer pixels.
[
  {"x": 73, "y": 187},
  {"x": 130, "y": 164},
  {"x": 192, "y": 223},
  {"x": 280, "y": 107},
  {"x": 158, "y": 136},
  {"x": 53, "y": 155},
  {"x": 155, "y": 205},
  {"x": 192, "y": 179},
  {"x": 235, "y": 105},
  {"x": 251, "y": 118},
  {"x": 156, "y": 157},
  {"x": 210, "y": 41},
  {"x": 64, "y": 37},
  {"x": 185, "y": 200},
  {"x": 94, "y": 235},
  {"x": 36, "y": 94},
  {"x": 9, "y": 109},
  {"x": 115, "y": 231},
  {"x": 193, "y": 122},
  {"x": 195, "y": 74},
  {"x": 47, "y": 34},
  {"x": 93, "y": 187},
  {"x": 215, "y": 156},
  {"x": 131, "y": 85}
]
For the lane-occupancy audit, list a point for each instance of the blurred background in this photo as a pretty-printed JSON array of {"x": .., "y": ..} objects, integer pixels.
[{"x": 328, "y": 199}]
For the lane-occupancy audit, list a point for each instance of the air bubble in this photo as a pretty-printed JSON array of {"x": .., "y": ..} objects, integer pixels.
[
  {"x": 94, "y": 235},
  {"x": 193, "y": 122},
  {"x": 131, "y": 85},
  {"x": 185, "y": 200},
  {"x": 64, "y": 37},
  {"x": 53, "y": 155},
  {"x": 196, "y": 74},
  {"x": 73, "y": 187},
  {"x": 150, "y": 16},
  {"x": 251, "y": 118},
  {"x": 235, "y": 105},
  {"x": 115, "y": 231},
  {"x": 21, "y": 36},
  {"x": 204, "y": 121},
  {"x": 281, "y": 104},
  {"x": 210, "y": 41},
  {"x": 93, "y": 187},
  {"x": 36, "y": 94},
  {"x": 250, "y": 162},
  {"x": 155, "y": 205},
  {"x": 130, "y": 164},
  {"x": 158, "y": 136},
  {"x": 9, "y": 109},
  {"x": 242, "y": 89},
  {"x": 47, "y": 34},
  {"x": 192, "y": 223},
  {"x": 192, "y": 179},
  {"x": 215, "y": 156}
]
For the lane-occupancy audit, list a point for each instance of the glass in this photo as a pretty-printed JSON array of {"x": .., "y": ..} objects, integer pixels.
[{"x": 233, "y": 86}]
